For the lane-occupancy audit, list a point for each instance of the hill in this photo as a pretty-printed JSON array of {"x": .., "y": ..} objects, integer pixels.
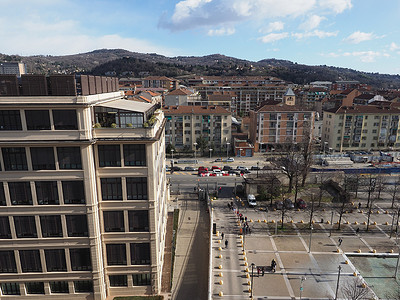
[{"x": 124, "y": 62}]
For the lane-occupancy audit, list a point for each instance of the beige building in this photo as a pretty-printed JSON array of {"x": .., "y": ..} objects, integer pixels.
[
  {"x": 361, "y": 127},
  {"x": 82, "y": 193}
]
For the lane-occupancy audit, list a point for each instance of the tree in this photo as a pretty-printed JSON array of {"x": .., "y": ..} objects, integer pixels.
[
  {"x": 289, "y": 164},
  {"x": 356, "y": 290},
  {"x": 201, "y": 144},
  {"x": 344, "y": 197},
  {"x": 394, "y": 190},
  {"x": 306, "y": 148},
  {"x": 169, "y": 148}
]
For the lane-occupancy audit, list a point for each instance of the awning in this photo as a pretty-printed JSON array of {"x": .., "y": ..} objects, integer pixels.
[{"x": 128, "y": 105}]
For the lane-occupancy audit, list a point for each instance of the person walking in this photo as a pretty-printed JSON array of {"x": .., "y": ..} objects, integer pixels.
[
  {"x": 340, "y": 241},
  {"x": 222, "y": 236},
  {"x": 226, "y": 243}
]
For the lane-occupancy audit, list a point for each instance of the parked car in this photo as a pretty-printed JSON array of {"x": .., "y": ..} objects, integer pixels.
[
  {"x": 215, "y": 168},
  {"x": 234, "y": 172},
  {"x": 202, "y": 170},
  {"x": 227, "y": 168},
  {"x": 241, "y": 168},
  {"x": 255, "y": 168},
  {"x": 190, "y": 169},
  {"x": 168, "y": 169},
  {"x": 251, "y": 200},
  {"x": 300, "y": 203},
  {"x": 288, "y": 204},
  {"x": 217, "y": 171},
  {"x": 218, "y": 159},
  {"x": 278, "y": 204},
  {"x": 230, "y": 159},
  {"x": 176, "y": 169}
]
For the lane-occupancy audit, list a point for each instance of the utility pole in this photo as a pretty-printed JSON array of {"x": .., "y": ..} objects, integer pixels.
[{"x": 337, "y": 284}]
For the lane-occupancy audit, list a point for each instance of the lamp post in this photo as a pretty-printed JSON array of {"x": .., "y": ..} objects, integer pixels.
[
  {"x": 195, "y": 150},
  {"x": 337, "y": 284},
  {"x": 309, "y": 244},
  {"x": 227, "y": 149},
  {"x": 302, "y": 279},
  {"x": 210, "y": 151},
  {"x": 172, "y": 152},
  {"x": 258, "y": 163},
  {"x": 252, "y": 276}
]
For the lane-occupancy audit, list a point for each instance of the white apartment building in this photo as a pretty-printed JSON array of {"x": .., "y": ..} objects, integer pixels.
[{"x": 82, "y": 192}]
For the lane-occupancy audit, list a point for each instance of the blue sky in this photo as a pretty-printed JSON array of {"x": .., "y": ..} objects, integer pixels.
[{"x": 358, "y": 34}]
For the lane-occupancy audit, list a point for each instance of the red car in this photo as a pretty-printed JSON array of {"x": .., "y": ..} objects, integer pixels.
[{"x": 300, "y": 203}]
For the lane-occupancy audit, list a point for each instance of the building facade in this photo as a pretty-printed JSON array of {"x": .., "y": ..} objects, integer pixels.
[
  {"x": 12, "y": 68},
  {"x": 82, "y": 195},
  {"x": 362, "y": 127}
]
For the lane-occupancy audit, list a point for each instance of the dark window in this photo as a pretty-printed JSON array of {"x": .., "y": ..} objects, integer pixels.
[
  {"x": 37, "y": 119},
  {"x": 7, "y": 262},
  {"x": 34, "y": 287},
  {"x": 136, "y": 188},
  {"x": 138, "y": 220},
  {"x": 20, "y": 193},
  {"x": 55, "y": 260},
  {"x": 51, "y": 226},
  {"x": 14, "y": 159},
  {"x": 77, "y": 225},
  {"x": 111, "y": 189},
  {"x": 10, "y": 120},
  {"x": 5, "y": 231},
  {"x": 140, "y": 253},
  {"x": 116, "y": 254},
  {"x": 113, "y": 221},
  {"x": 10, "y": 288},
  {"x": 65, "y": 119},
  {"x": 109, "y": 156},
  {"x": 25, "y": 226},
  {"x": 2, "y": 195},
  {"x": 73, "y": 192},
  {"x": 80, "y": 259},
  {"x": 47, "y": 193},
  {"x": 43, "y": 158},
  {"x": 134, "y": 155},
  {"x": 30, "y": 261},
  {"x": 118, "y": 280},
  {"x": 84, "y": 286},
  {"x": 141, "y": 279},
  {"x": 69, "y": 157},
  {"x": 59, "y": 287}
]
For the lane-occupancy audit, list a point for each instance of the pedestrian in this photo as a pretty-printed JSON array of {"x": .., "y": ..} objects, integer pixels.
[
  {"x": 340, "y": 241},
  {"x": 248, "y": 227},
  {"x": 229, "y": 206},
  {"x": 222, "y": 236},
  {"x": 258, "y": 271},
  {"x": 245, "y": 218},
  {"x": 262, "y": 271},
  {"x": 358, "y": 230},
  {"x": 226, "y": 243},
  {"x": 359, "y": 205}
]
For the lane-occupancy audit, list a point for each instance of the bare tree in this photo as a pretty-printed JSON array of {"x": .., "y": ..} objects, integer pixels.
[
  {"x": 380, "y": 185},
  {"x": 355, "y": 290},
  {"x": 306, "y": 152},
  {"x": 394, "y": 190},
  {"x": 289, "y": 163},
  {"x": 344, "y": 198},
  {"x": 371, "y": 204},
  {"x": 322, "y": 178}
]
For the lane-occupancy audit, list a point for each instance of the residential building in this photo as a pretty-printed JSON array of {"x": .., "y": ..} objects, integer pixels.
[
  {"x": 12, "y": 68},
  {"x": 312, "y": 97},
  {"x": 82, "y": 190},
  {"x": 186, "y": 124},
  {"x": 181, "y": 96},
  {"x": 362, "y": 127},
  {"x": 275, "y": 125},
  {"x": 160, "y": 82}
]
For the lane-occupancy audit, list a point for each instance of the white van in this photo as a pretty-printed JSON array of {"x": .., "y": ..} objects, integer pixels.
[{"x": 251, "y": 199}]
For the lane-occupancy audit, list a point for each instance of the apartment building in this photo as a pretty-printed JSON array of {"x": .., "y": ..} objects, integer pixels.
[
  {"x": 185, "y": 124},
  {"x": 12, "y": 68},
  {"x": 181, "y": 97},
  {"x": 275, "y": 125},
  {"x": 362, "y": 127},
  {"x": 160, "y": 82},
  {"x": 82, "y": 190}
]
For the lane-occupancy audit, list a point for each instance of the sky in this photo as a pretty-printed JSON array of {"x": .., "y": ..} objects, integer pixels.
[{"x": 359, "y": 34}]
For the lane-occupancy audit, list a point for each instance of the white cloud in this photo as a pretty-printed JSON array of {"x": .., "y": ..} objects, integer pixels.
[
  {"x": 273, "y": 26},
  {"x": 317, "y": 33},
  {"x": 221, "y": 31},
  {"x": 364, "y": 56},
  {"x": 273, "y": 37},
  {"x": 337, "y": 6},
  {"x": 311, "y": 23},
  {"x": 183, "y": 9},
  {"x": 358, "y": 37},
  {"x": 394, "y": 47}
]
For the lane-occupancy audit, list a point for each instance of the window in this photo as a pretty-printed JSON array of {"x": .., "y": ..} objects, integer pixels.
[
  {"x": 374, "y": 131},
  {"x": 69, "y": 157},
  {"x": 65, "y": 119},
  {"x": 80, "y": 259},
  {"x": 376, "y": 124},
  {"x": 2, "y": 195},
  {"x": 37, "y": 119},
  {"x": 111, "y": 189},
  {"x": 136, "y": 188},
  {"x": 14, "y": 159},
  {"x": 113, "y": 221},
  {"x": 25, "y": 226},
  {"x": 10, "y": 120},
  {"x": 116, "y": 254},
  {"x": 118, "y": 280},
  {"x": 134, "y": 155},
  {"x": 141, "y": 279},
  {"x": 73, "y": 192},
  {"x": 30, "y": 261},
  {"x": 77, "y": 225},
  {"x": 43, "y": 158},
  {"x": 140, "y": 253},
  {"x": 59, "y": 287},
  {"x": 51, "y": 226},
  {"x": 10, "y": 288},
  {"x": 34, "y": 287},
  {"x": 84, "y": 286},
  {"x": 5, "y": 231},
  {"x": 138, "y": 220},
  {"x": 20, "y": 193},
  {"x": 109, "y": 156},
  {"x": 47, "y": 193},
  {"x": 55, "y": 260},
  {"x": 7, "y": 262}
]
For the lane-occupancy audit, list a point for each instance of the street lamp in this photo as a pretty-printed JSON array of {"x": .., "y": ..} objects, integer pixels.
[
  {"x": 337, "y": 284},
  {"x": 227, "y": 149},
  {"x": 195, "y": 149},
  {"x": 172, "y": 152},
  {"x": 302, "y": 279},
  {"x": 252, "y": 276},
  {"x": 258, "y": 163},
  {"x": 210, "y": 151},
  {"x": 309, "y": 245}
]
